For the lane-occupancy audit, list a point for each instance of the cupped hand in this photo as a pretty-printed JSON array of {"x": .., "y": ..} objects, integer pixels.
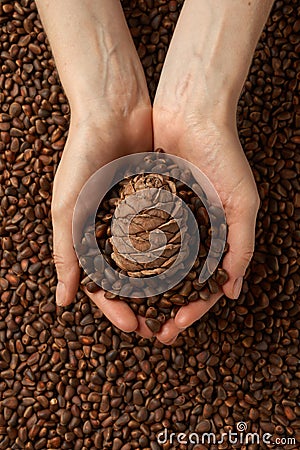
[
  {"x": 110, "y": 117},
  {"x": 202, "y": 77},
  {"x": 216, "y": 150},
  {"x": 88, "y": 148},
  {"x": 194, "y": 116}
]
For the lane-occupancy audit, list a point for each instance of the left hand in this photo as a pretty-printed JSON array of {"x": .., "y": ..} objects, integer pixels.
[
  {"x": 216, "y": 150},
  {"x": 194, "y": 116}
]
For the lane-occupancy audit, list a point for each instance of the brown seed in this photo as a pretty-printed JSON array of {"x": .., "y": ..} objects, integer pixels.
[
  {"x": 92, "y": 287},
  {"x": 10, "y": 402},
  {"x": 153, "y": 324},
  {"x": 221, "y": 276}
]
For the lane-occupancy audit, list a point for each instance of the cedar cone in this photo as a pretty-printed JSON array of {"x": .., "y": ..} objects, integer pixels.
[
  {"x": 146, "y": 226},
  {"x": 153, "y": 230}
]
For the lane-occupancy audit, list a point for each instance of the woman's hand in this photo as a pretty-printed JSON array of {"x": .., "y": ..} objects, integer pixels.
[
  {"x": 216, "y": 150},
  {"x": 194, "y": 117},
  {"x": 87, "y": 149},
  {"x": 110, "y": 117}
]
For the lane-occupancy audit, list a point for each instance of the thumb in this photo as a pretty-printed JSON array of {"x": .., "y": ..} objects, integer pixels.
[
  {"x": 65, "y": 259},
  {"x": 241, "y": 238}
]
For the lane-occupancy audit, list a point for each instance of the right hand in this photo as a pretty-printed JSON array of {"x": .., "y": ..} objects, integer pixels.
[
  {"x": 216, "y": 150},
  {"x": 111, "y": 117},
  {"x": 88, "y": 148}
]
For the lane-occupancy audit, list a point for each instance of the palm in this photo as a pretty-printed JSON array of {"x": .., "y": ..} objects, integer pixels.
[
  {"x": 88, "y": 149},
  {"x": 218, "y": 154}
]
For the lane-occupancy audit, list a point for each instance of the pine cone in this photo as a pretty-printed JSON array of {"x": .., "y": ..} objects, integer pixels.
[
  {"x": 146, "y": 242},
  {"x": 150, "y": 233}
]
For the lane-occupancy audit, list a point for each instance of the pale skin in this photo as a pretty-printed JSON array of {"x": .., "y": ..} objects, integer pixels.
[{"x": 193, "y": 116}]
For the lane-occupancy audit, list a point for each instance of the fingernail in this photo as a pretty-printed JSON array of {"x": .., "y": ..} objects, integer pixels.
[
  {"x": 237, "y": 287},
  {"x": 60, "y": 293}
]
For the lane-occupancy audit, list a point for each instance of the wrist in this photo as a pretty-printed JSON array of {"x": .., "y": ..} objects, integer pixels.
[
  {"x": 126, "y": 132},
  {"x": 197, "y": 95},
  {"x": 190, "y": 112}
]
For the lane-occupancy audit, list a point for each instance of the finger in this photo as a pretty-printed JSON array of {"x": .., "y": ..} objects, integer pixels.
[
  {"x": 69, "y": 179},
  {"x": 142, "y": 328},
  {"x": 117, "y": 311},
  {"x": 168, "y": 332},
  {"x": 188, "y": 314},
  {"x": 241, "y": 238},
  {"x": 172, "y": 340},
  {"x": 66, "y": 262}
]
